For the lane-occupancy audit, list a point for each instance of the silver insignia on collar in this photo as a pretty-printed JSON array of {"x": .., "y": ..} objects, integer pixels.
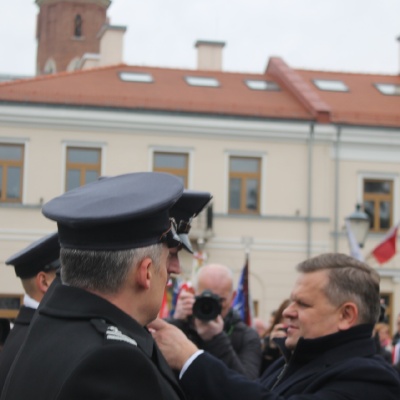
[{"x": 113, "y": 333}]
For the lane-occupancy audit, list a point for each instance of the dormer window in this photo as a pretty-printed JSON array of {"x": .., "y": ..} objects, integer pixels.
[
  {"x": 201, "y": 81},
  {"x": 141, "y": 77},
  {"x": 390, "y": 89},
  {"x": 330, "y": 85},
  {"x": 256, "y": 84}
]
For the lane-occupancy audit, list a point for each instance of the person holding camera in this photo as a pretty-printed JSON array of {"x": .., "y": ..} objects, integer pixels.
[{"x": 208, "y": 320}]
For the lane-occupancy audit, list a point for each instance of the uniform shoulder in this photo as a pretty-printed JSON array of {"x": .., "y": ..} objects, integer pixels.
[{"x": 112, "y": 333}]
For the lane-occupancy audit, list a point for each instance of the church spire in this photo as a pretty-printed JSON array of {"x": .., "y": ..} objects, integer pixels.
[{"x": 66, "y": 30}]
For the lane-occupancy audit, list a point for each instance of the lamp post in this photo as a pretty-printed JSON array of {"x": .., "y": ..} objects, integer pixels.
[{"x": 359, "y": 224}]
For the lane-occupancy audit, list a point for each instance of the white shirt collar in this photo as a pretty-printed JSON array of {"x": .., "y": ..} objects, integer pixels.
[{"x": 29, "y": 302}]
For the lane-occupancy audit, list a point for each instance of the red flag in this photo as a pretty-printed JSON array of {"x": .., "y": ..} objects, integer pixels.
[
  {"x": 386, "y": 249},
  {"x": 164, "y": 310}
]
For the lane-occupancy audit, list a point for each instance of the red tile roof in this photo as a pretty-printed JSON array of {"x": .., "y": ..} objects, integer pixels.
[
  {"x": 102, "y": 87},
  {"x": 298, "y": 99},
  {"x": 363, "y": 104}
]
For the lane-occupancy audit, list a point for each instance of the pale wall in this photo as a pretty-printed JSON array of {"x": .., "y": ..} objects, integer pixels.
[{"x": 279, "y": 236}]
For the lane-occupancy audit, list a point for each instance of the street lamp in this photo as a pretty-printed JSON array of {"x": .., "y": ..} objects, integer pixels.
[{"x": 359, "y": 224}]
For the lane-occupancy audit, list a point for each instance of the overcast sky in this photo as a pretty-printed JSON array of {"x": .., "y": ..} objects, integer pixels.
[{"x": 338, "y": 35}]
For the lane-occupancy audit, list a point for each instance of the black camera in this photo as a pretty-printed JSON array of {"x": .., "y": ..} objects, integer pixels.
[{"x": 207, "y": 306}]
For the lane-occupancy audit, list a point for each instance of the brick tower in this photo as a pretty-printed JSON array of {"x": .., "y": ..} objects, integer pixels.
[{"x": 66, "y": 30}]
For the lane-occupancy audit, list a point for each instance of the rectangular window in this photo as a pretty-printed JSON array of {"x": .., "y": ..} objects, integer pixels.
[
  {"x": 10, "y": 305},
  {"x": 140, "y": 77},
  {"x": 83, "y": 166},
  {"x": 378, "y": 203},
  {"x": 173, "y": 163},
  {"x": 11, "y": 172},
  {"x": 390, "y": 89},
  {"x": 201, "y": 81},
  {"x": 255, "y": 84},
  {"x": 331, "y": 85},
  {"x": 244, "y": 185}
]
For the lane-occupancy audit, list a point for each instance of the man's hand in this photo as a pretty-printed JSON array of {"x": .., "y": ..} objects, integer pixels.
[
  {"x": 173, "y": 343},
  {"x": 184, "y": 305},
  {"x": 208, "y": 329},
  {"x": 278, "y": 331}
]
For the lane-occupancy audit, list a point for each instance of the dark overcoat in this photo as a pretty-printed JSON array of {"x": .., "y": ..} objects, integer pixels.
[
  {"x": 80, "y": 346},
  {"x": 342, "y": 366},
  {"x": 14, "y": 341}
]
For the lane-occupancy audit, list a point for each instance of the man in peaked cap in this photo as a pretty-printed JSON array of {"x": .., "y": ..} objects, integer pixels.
[
  {"x": 36, "y": 266},
  {"x": 89, "y": 339}
]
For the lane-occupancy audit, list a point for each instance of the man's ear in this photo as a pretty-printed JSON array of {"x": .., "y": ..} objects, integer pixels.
[
  {"x": 43, "y": 281},
  {"x": 348, "y": 316},
  {"x": 143, "y": 273}
]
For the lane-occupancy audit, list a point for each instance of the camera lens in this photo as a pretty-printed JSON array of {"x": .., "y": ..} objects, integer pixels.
[{"x": 207, "y": 306}]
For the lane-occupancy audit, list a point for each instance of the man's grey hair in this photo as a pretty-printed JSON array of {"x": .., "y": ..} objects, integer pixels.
[
  {"x": 103, "y": 271},
  {"x": 349, "y": 280}
]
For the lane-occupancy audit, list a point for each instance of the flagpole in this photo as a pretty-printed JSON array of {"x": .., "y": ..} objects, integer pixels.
[
  {"x": 242, "y": 300},
  {"x": 247, "y": 305}
]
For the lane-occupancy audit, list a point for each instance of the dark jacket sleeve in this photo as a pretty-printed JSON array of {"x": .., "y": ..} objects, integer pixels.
[
  {"x": 241, "y": 351},
  {"x": 208, "y": 378}
]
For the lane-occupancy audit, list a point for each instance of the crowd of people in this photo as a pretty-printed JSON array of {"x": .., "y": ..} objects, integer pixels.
[{"x": 90, "y": 331}]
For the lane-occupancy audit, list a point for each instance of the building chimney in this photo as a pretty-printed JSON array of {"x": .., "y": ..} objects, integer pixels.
[
  {"x": 209, "y": 55},
  {"x": 111, "y": 44}
]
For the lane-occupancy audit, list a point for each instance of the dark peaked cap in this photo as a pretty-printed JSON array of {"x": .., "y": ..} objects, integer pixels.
[
  {"x": 41, "y": 255},
  {"x": 116, "y": 213},
  {"x": 185, "y": 209}
]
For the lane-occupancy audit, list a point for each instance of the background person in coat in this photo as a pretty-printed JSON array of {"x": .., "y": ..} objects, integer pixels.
[
  {"x": 89, "y": 340},
  {"x": 36, "y": 266},
  {"x": 329, "y": 351},
  {"x": 270, "y": 350},
  {"x": 228, "y": 337}
]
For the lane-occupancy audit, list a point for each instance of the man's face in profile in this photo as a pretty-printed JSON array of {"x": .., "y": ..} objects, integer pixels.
[
  {"x": 173, "y": 264},
  {"x": 310, "y": 313}
]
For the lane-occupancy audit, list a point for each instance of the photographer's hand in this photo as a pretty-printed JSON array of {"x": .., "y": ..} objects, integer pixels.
[
  {"x": 184, "y": 305},
  {"x": 278, "y": 331},
  {"x": 208, "y": 329}
]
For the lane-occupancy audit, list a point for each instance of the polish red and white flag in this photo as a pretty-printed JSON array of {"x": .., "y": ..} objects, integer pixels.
[{"x": 386, "y": 249}]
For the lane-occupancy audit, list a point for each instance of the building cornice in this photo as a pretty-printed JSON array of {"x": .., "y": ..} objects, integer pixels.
[
  {"x": 389, "y": 273},
  {"x": 161, "y": 123},
  {"x": 145, "y": 122}
]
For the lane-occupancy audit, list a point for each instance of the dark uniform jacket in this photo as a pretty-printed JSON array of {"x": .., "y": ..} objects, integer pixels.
[
  {"x": 238, "y": 346},
  {"x": 80, "y": 346},
  {"x": 341, "y": 366},
  {"x": 14, "y": 341}
]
